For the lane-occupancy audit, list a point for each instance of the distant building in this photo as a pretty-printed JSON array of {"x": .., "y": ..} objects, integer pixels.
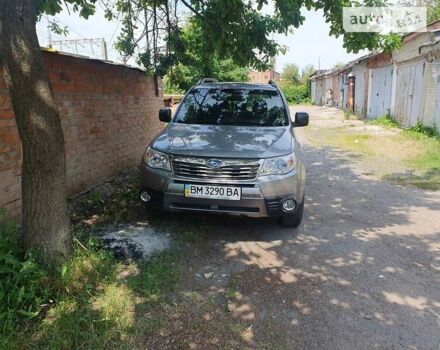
[{"x": 263, "y": 77}]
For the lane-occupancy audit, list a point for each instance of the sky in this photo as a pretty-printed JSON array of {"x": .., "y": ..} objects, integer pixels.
[
  {"x": 309, "y": 44},
  {"x": 312, "y": 44}
]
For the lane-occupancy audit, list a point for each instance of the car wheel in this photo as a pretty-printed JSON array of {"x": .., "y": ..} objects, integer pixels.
[{"x": 293, "y": 220}]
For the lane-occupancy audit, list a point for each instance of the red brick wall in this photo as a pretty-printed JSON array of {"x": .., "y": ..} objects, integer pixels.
[
  {"x": 108, "y": 112},
  {"x": 379, "y": 60},
  {"x": 257, "y": 77},
  {"x": 10, "y": 155}
]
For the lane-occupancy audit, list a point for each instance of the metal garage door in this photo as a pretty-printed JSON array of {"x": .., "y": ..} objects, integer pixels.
[
  {"x": 437, "y": 113},
  {"x": 380, "y": 86},
  {"x": 409, "y": 93},
  {"x": 360, "y": 90}
]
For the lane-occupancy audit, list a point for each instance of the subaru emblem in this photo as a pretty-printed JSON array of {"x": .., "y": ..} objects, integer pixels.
[{"x": 214, "y": 163}]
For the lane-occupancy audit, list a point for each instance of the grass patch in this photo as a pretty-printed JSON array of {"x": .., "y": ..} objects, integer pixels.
[
  {"x": 429, "y": 180},
  {"x": 430, "y": 158},
  {"x": 343, "y": 138},
  {"x": 98, "y": 302},
  {"x": 420, "y": 131},
  {"x": 157, "y": 276},
  {"x": 386, "y": 121},
  {"x": 356, "y": 142},
  {"x": 23, "y": 287},
  {"x": 230, "y": 293},
  {"x": 426, "y": 165},
  {"x": 94, "y": 302},
  {"x": 407, "y": 157}
]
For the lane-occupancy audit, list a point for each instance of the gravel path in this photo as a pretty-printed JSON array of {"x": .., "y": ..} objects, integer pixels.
[{"x": 361, "y": 272}]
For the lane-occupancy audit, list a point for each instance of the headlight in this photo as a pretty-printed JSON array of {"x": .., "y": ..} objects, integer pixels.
[
  {"x": 157, "y": 160},
  {"x": 278, "y": 166}
]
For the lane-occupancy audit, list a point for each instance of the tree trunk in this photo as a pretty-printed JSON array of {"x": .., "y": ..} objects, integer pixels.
[{"x": 45, "y": 219}]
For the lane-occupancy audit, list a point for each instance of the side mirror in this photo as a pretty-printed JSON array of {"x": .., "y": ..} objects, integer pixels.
[
  {"x": 301, "y": 119},
  {"x": 165, "y": 115}
]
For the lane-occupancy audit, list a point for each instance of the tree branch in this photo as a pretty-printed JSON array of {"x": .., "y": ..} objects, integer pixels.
[{"x": 198, "y": 14}]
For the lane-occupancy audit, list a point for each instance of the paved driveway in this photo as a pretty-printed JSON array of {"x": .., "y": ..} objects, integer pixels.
[{"x": 361, "y": 272}]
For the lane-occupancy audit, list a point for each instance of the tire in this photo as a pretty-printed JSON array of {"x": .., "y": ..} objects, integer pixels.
[{"x": 293, "y": 220}]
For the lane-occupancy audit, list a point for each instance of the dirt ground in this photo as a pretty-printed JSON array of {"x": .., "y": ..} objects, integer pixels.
[{"x": 361, "y": 272}]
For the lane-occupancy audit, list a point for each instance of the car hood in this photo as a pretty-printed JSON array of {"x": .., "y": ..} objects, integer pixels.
[{"x": 224, "y": 141}]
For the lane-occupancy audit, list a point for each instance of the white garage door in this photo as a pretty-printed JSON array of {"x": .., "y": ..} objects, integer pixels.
[
  {"x": 437, "y": 114},
  {"x": 380, "y": 91},
  {"x": 409, "y": 93},
  {"x": 359, "y": 90}
]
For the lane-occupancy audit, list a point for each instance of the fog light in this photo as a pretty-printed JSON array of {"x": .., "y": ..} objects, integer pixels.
[
  {"x": 289, "y": 205},
  {"x": 145, "y": 196}
]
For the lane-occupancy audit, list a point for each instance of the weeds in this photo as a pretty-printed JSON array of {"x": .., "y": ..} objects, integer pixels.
[
  {"x": 22, "y": 281},
  {"x": 348, "y": 115},
  {"x": 419, "y": 131},
  {"x": 156, "y": 276},
  {"x": 386, "y": 121},
  {"x": 95, "y": 301}
]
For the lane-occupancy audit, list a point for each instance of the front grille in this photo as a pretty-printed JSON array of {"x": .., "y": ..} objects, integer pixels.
[{"x": 232, "y": 169}]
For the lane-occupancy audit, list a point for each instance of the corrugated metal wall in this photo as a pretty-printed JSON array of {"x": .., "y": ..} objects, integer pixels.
[{"x": 380, "y": 88}]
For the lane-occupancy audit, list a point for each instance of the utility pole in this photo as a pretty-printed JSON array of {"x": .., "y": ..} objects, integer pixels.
[
  {"x": 104, "y": 49},
  {"x": 49, "y": 32}
]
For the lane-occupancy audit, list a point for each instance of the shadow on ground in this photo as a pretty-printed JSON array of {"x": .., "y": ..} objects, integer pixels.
[{"x": 362, "y": 271}]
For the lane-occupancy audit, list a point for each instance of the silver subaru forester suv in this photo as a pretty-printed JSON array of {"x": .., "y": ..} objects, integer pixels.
[{"x": 230, "y": 148}]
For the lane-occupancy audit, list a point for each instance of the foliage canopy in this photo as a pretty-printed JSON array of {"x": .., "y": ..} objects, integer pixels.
[
  {"x": 196, "y": 61},
  {"x": 238, "y": 30},
  {"x": 290, "y": 73}
]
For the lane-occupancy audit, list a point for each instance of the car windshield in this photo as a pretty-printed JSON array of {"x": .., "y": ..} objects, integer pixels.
[{"x": 242, "y": 107}]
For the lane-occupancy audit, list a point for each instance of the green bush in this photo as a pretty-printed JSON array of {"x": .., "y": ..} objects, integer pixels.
[
  {"x": 417, "y": 131},
  {"x": 21, "y": 280},
  {"x": 296, "y": 93},
  {"x": 386, "y": 121},
  {"x": 430, "y": 131}
]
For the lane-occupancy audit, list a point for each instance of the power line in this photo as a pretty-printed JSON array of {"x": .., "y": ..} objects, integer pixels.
[{"x": 116, "y": 29}]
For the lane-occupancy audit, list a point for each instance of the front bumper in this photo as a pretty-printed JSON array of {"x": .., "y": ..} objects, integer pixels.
[{"x": 260, "y": 197}]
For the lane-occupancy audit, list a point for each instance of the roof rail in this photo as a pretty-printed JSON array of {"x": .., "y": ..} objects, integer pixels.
[
  {"x": 272, "y": 83},
  {"x": 207, "y": 80}
]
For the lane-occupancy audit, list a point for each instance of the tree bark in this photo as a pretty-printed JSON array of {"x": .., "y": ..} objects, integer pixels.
[{"x": 45, "y": 219}]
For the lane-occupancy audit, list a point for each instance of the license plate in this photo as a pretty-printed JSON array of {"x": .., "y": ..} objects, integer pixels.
[{"x": 213, "y": 192}]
